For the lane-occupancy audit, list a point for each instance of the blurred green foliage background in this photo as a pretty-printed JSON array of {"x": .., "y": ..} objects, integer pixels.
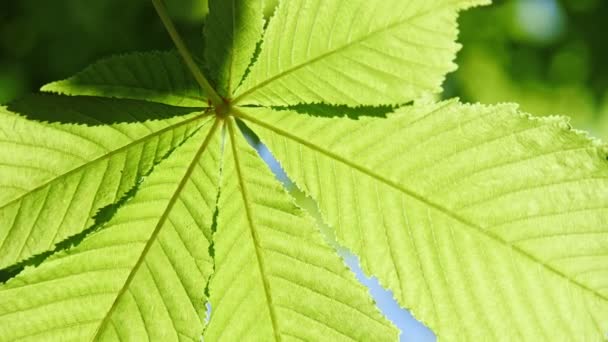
[
  {"x": 548, "y": 55},
  {"x": 43, "y": 41}
]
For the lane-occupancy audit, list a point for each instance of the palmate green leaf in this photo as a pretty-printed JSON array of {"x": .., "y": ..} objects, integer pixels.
[
  {"x": 355, "y": 52},
  {"x": 275, "y": 278},
  {"x": 153, "y": 76},
  {"x": 55, "y": 177},
  {"x": 487, "y": 223},
  {"x": 141, "y": 277}
]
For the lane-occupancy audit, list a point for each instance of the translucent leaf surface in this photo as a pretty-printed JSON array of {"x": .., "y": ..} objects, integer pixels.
[
  {"x": 354, "y": 52},
  {"x": 141, "y": 277},
  {"x": 485, "y": 222},
  {"x": 55, "y": 177}
]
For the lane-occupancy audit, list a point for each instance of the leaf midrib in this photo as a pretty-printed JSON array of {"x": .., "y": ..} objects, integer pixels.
[
  {"x": 231, "y": 53},
  {"x": 337, "y": 50},
  {"x": 150, "y": 91},
  {"x": 252, "y": 231},
  {"x": 158, "y": 228},
  {"x": 473, "y": 226}
]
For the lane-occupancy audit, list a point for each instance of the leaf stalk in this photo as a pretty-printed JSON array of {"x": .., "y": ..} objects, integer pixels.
[{"x": 215, "y": 98}]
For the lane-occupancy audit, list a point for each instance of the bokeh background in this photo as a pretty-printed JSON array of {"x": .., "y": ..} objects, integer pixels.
[{"x": 550, "y": 56}]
